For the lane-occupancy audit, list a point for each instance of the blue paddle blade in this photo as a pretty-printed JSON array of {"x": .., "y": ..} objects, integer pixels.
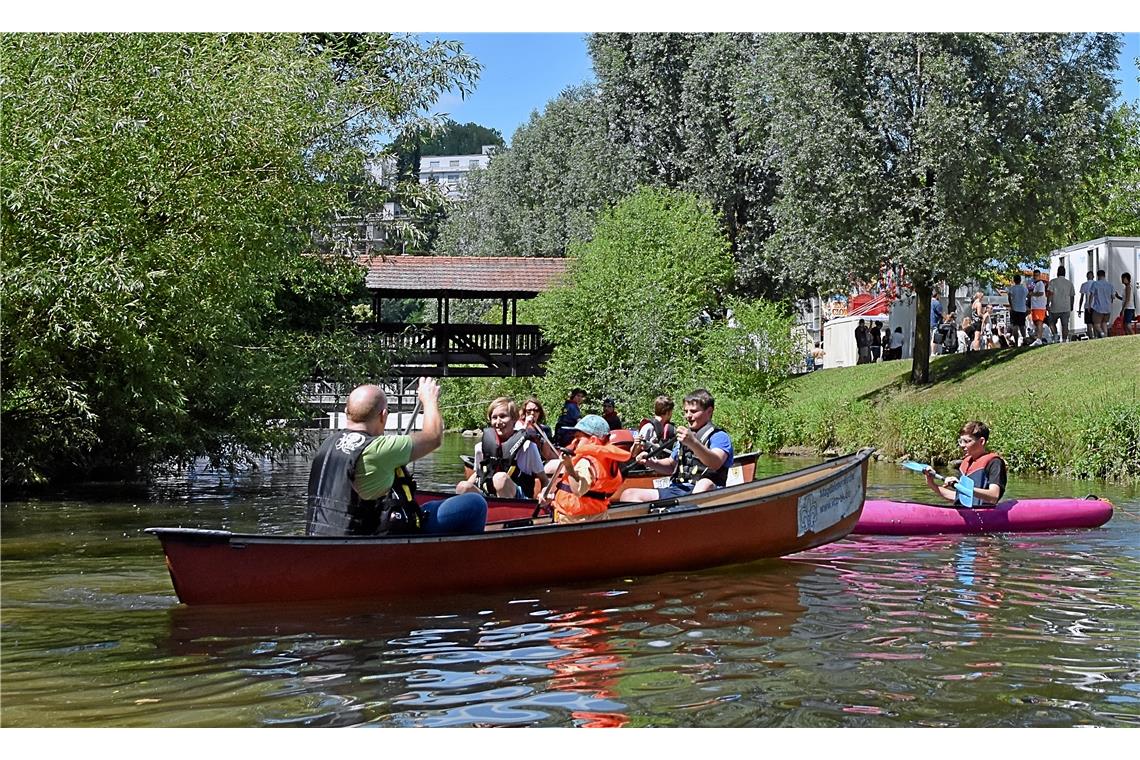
[
  {"x": 916, "y": 466},
  {"x": 965, "y": 489}
]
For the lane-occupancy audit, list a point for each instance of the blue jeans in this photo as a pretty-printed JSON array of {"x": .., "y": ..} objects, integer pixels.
[{"x": 464, "y": 513}]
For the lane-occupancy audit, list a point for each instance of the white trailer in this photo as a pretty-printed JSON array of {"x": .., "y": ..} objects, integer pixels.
[
  {"x": 839, "y": 348},
  {"x": 1115, "y": 255}
]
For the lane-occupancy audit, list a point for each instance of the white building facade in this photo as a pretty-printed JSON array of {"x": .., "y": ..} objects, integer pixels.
[{"x": 450, "y": 172}]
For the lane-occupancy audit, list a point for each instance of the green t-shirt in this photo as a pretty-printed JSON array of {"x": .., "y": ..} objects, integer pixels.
[{"x": 376, "y": 469}]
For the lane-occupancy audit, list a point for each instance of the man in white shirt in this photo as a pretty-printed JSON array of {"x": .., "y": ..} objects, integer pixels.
[{"x": 1060, "y": 304}]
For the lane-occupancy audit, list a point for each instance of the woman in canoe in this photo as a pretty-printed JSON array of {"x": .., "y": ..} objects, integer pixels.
[
  {"x": 507, "y": 460},
  {"x": 986, "y": 469}
]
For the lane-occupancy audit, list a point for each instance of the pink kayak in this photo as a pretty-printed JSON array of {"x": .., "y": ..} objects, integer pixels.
[{"x": 900, "y": 518}]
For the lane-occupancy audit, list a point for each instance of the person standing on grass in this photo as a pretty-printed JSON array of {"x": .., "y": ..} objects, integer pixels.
[
  {"x": 1017, "y": 295},
  {"x": 1061, "y": 294},
  {"x": 1101, "y": 304},
  {"x": 1128, "y": 304}
]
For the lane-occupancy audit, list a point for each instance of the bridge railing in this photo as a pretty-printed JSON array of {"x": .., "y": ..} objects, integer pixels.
[{"x": 438, "y": 339}]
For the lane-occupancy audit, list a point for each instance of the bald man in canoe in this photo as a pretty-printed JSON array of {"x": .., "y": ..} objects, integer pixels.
[{"x": 359, "y": 484}]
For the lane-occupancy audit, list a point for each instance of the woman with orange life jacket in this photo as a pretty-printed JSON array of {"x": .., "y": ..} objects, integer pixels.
[
  {"x": 591, "y": 475},
  {"x": 985, "y": 469}
]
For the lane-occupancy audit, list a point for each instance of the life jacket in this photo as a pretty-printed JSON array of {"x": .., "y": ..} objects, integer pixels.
[
  {"x": 607, "y": 460},
  {"x": 335, "y": 508},
  {"x": 664, "y": 432},
  {"x": 690, "y": 469},
  {"x": 976, "y": 469},
  {"x": 503, "y": 457}
]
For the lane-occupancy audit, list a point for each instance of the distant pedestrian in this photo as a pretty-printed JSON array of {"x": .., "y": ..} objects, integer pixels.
[
  {"x": 1061, "y": 295},
  {"x": 935, "y": 320},
  {"x": 1101, "y": 304},
  {"x": 1038, "y": 302},
  {"x": 1017, "y": 296},
  {"x": 1085, "y": 306},
  {"x": 862, "y": 343},
  {"x": 897, "y": 343},
  {"x": 1128, "y": 304},
  {"x": 876, "y": 342},
  {"x": 947, "y": 335}
]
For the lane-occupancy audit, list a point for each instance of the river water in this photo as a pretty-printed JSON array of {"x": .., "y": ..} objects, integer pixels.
[{"x": 972, "y": 631}]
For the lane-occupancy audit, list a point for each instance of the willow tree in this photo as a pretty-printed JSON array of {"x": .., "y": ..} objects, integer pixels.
[
  {"x": 159, "y": 197},
  {"x": 930, "y": 154}
]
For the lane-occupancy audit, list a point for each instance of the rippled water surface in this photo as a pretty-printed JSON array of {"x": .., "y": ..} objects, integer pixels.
[{"x": 1000, "y": 630}]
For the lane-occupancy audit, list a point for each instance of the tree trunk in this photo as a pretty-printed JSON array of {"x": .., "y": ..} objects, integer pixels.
[{"x": 920, "y": 362}]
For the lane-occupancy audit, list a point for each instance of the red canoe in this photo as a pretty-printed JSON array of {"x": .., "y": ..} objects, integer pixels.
[
  {"x": 899, "y": 518},
  {"x": 766, "y": 518}
]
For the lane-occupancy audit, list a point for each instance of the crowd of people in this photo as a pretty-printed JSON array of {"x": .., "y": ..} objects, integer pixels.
[
  {"x": 1039, "y": 312},
  {"x": 359, "y": 484}
]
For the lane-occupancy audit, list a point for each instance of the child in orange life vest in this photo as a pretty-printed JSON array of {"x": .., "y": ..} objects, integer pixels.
[
  {"x": 986, "y": 469},
  {"x": 592, "y": 474}
]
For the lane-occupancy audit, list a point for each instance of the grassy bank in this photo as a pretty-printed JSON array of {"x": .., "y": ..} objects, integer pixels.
[{"x": 1069, "y": 410}]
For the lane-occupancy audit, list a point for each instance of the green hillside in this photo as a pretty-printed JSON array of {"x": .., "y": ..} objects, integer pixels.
[{"x": 1071, "y": 410}]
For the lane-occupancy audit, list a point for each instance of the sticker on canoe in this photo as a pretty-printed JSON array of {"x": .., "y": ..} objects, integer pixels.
[
  {"x": 664, "y": 482},
  {"x": 822, "y": 508},
  {"x": 735, "y": 476}
]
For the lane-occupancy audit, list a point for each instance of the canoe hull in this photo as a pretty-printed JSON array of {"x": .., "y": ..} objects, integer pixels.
[
  {"x": 769, "y": 518},
  {"x": 896, "y": 518}
]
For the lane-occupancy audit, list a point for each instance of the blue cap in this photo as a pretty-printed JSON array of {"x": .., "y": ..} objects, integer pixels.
[{"x": 593, "y": 425}]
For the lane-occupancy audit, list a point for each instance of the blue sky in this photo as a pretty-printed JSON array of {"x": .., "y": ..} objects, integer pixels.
[{"x": 523, "y": 71}]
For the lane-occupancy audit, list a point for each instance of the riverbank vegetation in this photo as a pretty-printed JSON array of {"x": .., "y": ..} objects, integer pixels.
[
  {"x": 161, "y": 197},
  {"x": 1071, "y": 410}
]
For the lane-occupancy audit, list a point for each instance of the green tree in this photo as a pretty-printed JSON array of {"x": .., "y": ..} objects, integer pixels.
[
  {"x": 930, "y": 154},
  {"x": 676, "y": 101},
  {"x": 159, "y": 193},
  {"x": 544, "y": 192},
  {"x": 641, "y": 296},
  {"x": 1108, "y": 203},
  {"x": 461, "y": 140}
]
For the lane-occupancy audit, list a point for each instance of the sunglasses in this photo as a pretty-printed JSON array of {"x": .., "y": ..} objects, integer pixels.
[
  {"x": 964, "y": 441},
  {"x": 530, "y": 410}
]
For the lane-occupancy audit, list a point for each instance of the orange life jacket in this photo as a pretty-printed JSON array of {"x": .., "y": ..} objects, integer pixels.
[{"x": 606, "y": 460}]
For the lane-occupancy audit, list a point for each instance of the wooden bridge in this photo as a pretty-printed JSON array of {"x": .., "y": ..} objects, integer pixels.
[{"x": 447, "y": 349}]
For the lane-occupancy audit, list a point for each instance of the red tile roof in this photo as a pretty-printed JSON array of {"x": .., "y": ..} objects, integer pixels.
[{"x": 463, "y": 276}]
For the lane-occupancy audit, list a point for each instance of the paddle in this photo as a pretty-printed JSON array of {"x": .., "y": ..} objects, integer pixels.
[
  {"x": 666, "y": 444},
  {"x": 549, "y": 488},
  {"x": 964, "y": 487},
  {"x": 412, "y": 420}
]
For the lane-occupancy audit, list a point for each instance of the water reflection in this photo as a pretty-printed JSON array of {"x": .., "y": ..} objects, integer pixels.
[
  {"x": 572, "y": 656},
  {"x": 1013, "y": 630}
]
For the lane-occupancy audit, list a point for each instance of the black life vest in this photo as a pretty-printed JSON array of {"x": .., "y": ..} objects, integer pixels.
[
  {"x": 335, "y": 508},
  {"x": 690, "y": 469},
  {"x": 503, "y": 457}
]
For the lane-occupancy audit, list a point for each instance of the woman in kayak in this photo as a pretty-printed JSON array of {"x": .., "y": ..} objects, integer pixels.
[{"x": 986, "y": 469}]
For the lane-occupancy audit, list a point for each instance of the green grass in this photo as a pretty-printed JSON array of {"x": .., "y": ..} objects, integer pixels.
[{"x": 1071, "y": 410}]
